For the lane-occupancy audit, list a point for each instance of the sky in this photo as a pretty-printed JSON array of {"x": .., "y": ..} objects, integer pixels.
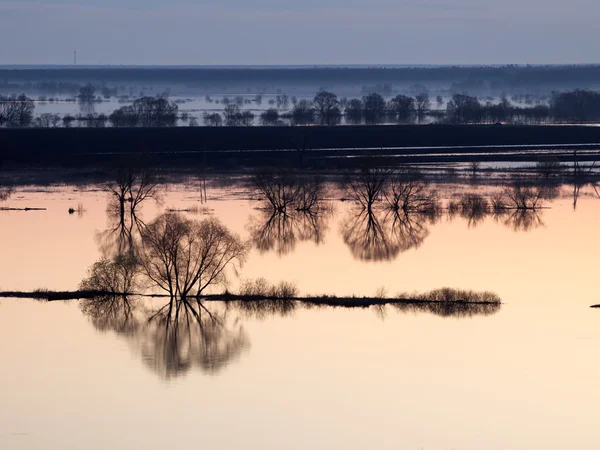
[{"x": 262, "y": 32}]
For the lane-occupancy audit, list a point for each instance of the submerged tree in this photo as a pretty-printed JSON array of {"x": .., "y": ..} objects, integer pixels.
[
  {"x": 354, "y": 110},
  {"x": 464, "y": 109},
  {"x": 368, "y": 186},
  {"x": 87, "y": 93},
  {"x": 16, "y": 111},
  {"x": 402, "y": 108},
  {"x": 374, "y": 108},
  {"x": 327, "y": 108},
  {"x": 212, "y": 119},
  {"x": 422, "y": 105},
  {"x": 146, "y": 112},
  {"x": 293, "y": 209},
  {"x": 133, "y": 184},
  {"x": 392, "y": 216},
  {"x": 303, "y": 113},
  {"x": 168, "y": 343}
]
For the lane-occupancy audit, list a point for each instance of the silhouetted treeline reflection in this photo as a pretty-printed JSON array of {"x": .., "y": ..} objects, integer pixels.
[
  {"x": 187, "y": 326},
  {"x": 175, "y": 334},
  {"x": 518, "y": 207},
  {"x": 293, "y": 207}
]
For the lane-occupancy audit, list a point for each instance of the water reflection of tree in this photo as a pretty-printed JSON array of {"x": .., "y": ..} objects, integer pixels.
[
  {"x": 519, "y": 206},
  {"x": 170, "y": 344},
  {"x": 112, "y": 313},
  {"x": 390, "y": 214},
  {"x": 173, "y": 344},
  {"x": 380, "y": 235},
  {"x": 131, "y": 187},
  {"x": 183, "y": 258},
  {"x": 5, "y": 193},
  {"x": 272, "y": 231},
  {"x": 292, "y": 208},
  {"x": 363, "y": 233},
  {"x": 520, "y": 220},
  {"x": 409, "y": 230}
]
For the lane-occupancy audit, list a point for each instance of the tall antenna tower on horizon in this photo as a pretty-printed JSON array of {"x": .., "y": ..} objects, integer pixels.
[{"x": 74, "y": 57}]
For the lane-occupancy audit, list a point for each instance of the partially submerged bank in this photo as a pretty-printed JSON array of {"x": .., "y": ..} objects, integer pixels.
[{"x": 444, "y": 302}]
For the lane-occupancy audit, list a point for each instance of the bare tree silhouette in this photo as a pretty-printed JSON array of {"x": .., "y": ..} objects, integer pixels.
[
  {"x": 293, "y": 209},
  {"x": 16, "y": 111},
  {"x": 87, "y": 93},
  {"x": 132, "y": 186},
  {"x": 185, "y": 257}
]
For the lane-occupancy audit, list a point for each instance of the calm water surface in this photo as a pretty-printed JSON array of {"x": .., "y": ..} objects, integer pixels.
[{"x": 525, "y": 377}]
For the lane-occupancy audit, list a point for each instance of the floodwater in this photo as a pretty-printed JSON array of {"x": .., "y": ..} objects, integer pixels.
[{"x": 526, "y": 376}]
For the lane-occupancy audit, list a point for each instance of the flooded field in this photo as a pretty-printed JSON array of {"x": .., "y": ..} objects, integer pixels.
[{"x": 106, "y": 373}]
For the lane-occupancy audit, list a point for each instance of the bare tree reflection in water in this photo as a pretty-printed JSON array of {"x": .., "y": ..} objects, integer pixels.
[
  {"x": 390, "y": 216},
  {"x": 474, "y": 208},
  {"x": 363, "y": 233},
  {"x": 362, "y": 230},
  {"x": 112, "y": 313},
  {"x": 133, "y": 185},
  {"x": 520, "y": 219},
  {"x": 183, "y": 258},
  {"x": 518, "y": 206},
  {"x": 187, "y": 332},
  {"x": 172, "y": 344},
  {"x": 293, "y": 208}
]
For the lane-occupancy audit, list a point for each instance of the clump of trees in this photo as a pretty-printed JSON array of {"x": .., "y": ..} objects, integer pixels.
[
  {"x": 146, "y": 112},
  {"x": 87, "y": 93},
  {"x": 212, "y": 119},
  {"x": 576, "y": 106},
  {"x": 327, "y": 108},
  {"x": 16, "y": 111},
  {"x": 270, "y": 117},
  {"x": 303, "y": 113},
  {"x": 235, "y": 117}
]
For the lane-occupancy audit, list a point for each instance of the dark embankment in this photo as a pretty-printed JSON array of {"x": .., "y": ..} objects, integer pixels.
[{"x": 316, "y": 145}]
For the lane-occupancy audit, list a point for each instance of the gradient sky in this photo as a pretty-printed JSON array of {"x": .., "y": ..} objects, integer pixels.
[{"x": 307, "y": 32}]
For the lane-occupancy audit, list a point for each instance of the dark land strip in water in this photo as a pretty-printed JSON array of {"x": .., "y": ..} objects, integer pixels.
[
  {"x": 349, "y": 302},
  {"x": 305, "y": 146}
]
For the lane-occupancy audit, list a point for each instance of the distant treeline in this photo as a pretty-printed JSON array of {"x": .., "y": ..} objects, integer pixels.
[
  {"x": 494, "y": 76},
  {"x": 325, "y": 108}
]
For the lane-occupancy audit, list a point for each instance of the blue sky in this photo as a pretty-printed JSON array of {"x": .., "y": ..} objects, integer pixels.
[{"x": 309, "y": 32}]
